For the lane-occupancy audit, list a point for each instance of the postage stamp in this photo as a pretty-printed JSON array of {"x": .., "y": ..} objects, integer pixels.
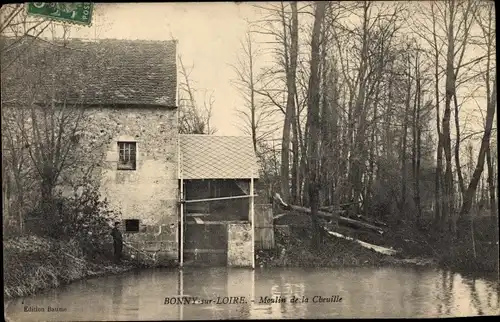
[{"x": 73, "y": 12}]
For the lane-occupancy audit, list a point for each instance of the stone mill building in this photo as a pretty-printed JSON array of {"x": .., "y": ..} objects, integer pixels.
[{"x": 184, "y": 199}]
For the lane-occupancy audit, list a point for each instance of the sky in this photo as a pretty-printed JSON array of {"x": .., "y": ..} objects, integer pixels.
[{"x": 208, "y": 37}]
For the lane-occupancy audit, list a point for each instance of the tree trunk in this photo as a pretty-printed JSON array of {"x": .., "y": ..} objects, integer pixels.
[
  {"x": 438, "y": 200},
  {"x": 313, "y": 116},
  {"x": 335, "y": 139},
  {"x": 418, "y": 151},
  {"x": 295, "y": 197},
  {"x": 450, "y": 90},
  {"x": 457, "y": 149},
  {"x": 5, "y": 195},
  {"x": 290, "y": 67},
  {"x": 476, "y": 176},
  {"x": 357, "y": 156},
  {"x": 404, "y": 179},
  {"x": 414, "y": 132},
  {"x": 253, "y": 120},
  {"x": 285, "y": 142},
  {"x": 292, "y": 88},
  {"x": 491, "y": 183}
]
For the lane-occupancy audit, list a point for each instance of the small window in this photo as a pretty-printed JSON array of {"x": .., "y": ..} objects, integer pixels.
[
  {"x": 132, "y": 225},
  {"x": 127, "y": 160}
]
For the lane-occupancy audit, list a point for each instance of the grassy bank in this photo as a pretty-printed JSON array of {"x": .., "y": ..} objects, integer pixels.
[
  {"x": 461, "y": 253},
  {"x": 416, "y": 247},
  {"x": 293, "y": 250},
  {"x": 33, "y": 264}
]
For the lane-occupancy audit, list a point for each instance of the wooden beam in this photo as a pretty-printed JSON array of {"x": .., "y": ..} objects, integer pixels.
[
  {"x": 219, "y": 198},
  {"x": 205, "y": 251}
]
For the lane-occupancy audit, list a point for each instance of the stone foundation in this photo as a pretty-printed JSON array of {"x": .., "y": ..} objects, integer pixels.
[
  {"x": 157, "y": 243},
  {"x": 240, "y": 248}
]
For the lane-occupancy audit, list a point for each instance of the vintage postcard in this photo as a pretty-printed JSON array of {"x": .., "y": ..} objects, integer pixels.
[{"x": 249, "y": 160}]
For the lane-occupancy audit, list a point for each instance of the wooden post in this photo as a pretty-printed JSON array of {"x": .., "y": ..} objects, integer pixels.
[
  {"x": 181, "y": 233},
  {"x": 252, "y": 218},
  {"x": 182, "y": 223},
  {"x": 181, "y": 294}
]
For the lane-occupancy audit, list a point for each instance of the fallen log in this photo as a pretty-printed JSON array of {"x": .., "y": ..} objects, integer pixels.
[
  {"x": 355, "y": 232},
  {"x": 333, "y": 210},
  {"x": 336, "y": 209},
  {"x": 373, "y": 221},
  {"x": 341, "y": 206},
  {"x": 338, "y": 218},
  {"x": 376, "y": 248}
]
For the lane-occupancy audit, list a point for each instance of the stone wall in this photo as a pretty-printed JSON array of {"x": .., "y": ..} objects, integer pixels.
[
  {"x": 240, "y": 248},
  {"x": 148, "y": 193}
]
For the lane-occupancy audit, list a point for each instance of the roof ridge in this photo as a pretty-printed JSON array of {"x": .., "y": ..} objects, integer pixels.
[
  {"x": 125, "y": 40},
  {"x": 83, "y": 39}
]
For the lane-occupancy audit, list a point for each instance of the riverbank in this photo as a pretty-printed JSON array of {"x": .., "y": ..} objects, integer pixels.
[
  {"x": 472, "y": 250},
  {"x": 415, "y": 247},
  {"x": 293, "y": 250},
  {"x": 33, "y": 264}
]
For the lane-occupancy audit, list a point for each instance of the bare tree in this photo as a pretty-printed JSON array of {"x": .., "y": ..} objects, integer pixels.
[
  {"x": 193, "y": 118},
  {"x": 433, "y": 42},
  {"x": 484, "y": 18},
  {"x": 285, "y": 87},
  {"x": 285, "y": 33},
  {"x": 450, "y": 30},
  {"x": 16, "y": 24},
  {"x": 43, "y": 112},
  {"x": 488, "y": 34},
  {"x": 256, "y": 115}
]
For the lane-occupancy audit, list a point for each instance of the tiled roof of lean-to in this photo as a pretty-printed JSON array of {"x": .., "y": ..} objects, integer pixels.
[
  {"x": 104, "y": 71},
  {"x": 217, "y": 157}
]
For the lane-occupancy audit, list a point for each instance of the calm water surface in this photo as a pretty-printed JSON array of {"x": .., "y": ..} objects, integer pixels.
[{"x": 365, "y": 292}]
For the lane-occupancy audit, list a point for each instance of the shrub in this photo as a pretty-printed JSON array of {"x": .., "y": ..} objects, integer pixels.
[{"x": 83, "y": 217}]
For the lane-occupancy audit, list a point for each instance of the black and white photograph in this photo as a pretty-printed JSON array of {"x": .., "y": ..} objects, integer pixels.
[{"x": 249, "y": 160}]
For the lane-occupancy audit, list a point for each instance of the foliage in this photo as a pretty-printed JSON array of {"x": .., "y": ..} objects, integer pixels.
[{"x": 83, "y": 217}]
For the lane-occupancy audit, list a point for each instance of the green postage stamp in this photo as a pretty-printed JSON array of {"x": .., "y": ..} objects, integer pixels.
[{"x": 72, "y": 12}]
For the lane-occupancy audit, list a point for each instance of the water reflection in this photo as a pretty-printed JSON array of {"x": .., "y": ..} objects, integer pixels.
[{"x": 365, "y": 292}]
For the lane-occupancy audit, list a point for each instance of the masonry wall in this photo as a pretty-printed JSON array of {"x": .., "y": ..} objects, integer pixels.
[
  {"x": 148, "y": 193},
  {"x": 240, "y": 246}
]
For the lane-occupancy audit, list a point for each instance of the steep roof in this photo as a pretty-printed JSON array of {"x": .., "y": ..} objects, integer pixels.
[
  {"x": 217, "y": 157},
  {"x": 105, "y": 71}
]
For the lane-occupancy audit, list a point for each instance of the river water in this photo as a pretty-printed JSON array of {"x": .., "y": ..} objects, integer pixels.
[{"x": 330, "y": 293}]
